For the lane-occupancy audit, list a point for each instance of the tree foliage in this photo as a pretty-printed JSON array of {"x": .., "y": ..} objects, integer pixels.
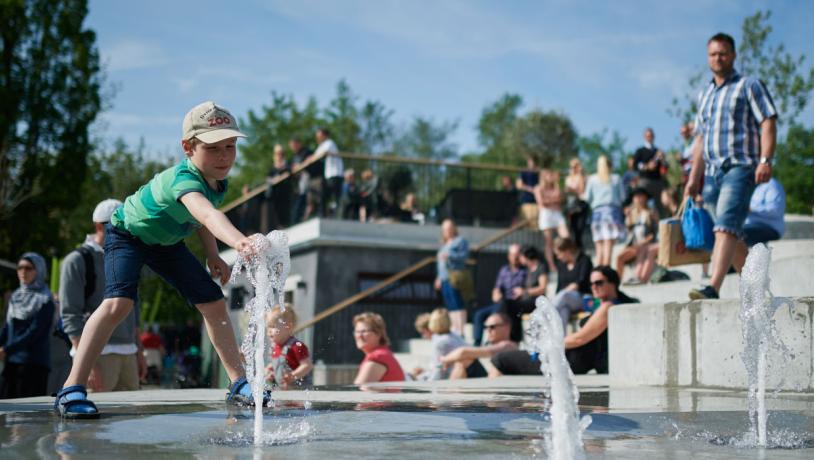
[
  {"x": 50, "y": 84},
  {"x": 794, "y": 169},
  {"x": 789, "y": 84},
  {"x": 594, "y": 145}
]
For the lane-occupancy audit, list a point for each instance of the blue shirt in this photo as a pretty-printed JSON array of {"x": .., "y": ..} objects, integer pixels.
[
  {"x": 458, "y": 250},
  {"x": 508, "y": 279},
  {"x": 529, "y": 178},
  {"x": 729, "y": 118},
  {"x": 768, "y": 206}
]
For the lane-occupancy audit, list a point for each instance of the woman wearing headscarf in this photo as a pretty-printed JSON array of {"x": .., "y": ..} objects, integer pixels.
[{"x": 25, "y": 337}]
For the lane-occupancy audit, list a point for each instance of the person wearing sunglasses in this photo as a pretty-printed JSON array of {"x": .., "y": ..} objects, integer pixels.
[
  {"x": 585, "y": 349},
  {"x": 25, "y": 345},
  {"x": 464, "y": 360}
]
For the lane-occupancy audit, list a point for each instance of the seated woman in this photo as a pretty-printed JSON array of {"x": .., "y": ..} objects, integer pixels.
[
  {"x": 585, "y": 349},
  {"x": 642, "y": 225},
  {"x": 371, "y": 338},
  {"x": 523, "y": 297},
  {"x": 443, "y": 342},
  {"x": 573, "y": 272}
]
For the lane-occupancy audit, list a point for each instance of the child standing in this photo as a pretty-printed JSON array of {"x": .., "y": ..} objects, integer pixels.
[
  {"x": 149, "y": 228},
  {"x": 290, "y": 362}
]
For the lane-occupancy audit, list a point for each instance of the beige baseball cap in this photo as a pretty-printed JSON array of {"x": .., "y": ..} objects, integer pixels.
[{"x": 210, "y": 123}]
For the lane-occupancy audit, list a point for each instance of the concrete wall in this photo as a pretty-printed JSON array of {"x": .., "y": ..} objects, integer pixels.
[{"x": 699, "y": 344}]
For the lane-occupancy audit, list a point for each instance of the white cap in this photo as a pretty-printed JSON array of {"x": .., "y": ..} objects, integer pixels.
[
  {"x": 210, "y": 123},
  {"x": 105, "y": 209}
]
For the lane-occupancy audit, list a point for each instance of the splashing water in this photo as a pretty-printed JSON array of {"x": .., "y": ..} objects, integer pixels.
[
  {"x": 564, "y": 440},
  {"x": 760, "y": 336},
  {"x": 267, "y": 269}
]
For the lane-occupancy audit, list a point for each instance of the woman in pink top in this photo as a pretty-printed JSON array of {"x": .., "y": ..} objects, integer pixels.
[{"x": 379, "y": 364}]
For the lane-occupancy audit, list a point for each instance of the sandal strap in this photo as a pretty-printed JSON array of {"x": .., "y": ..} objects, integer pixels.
[
  {"x": 76, "y": 402},
  {"x": 236, "y": 386},
  {"x": 71, "y": 389}
]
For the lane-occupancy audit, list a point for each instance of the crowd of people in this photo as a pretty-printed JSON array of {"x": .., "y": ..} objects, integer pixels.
[
  {"x": 316, "y": 184},
  {"x": 726, "y": 164}
]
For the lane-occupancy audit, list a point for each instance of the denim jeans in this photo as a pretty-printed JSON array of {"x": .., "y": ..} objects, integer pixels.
[
  {"x": 726, "y": 196},
  {"x": 452, "y": 297},
  {"x": 125, "y": 255}
]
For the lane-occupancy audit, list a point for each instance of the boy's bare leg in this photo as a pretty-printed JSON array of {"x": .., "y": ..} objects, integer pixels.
[
  {"x": 95, "y": 335},
  {"x": 219, "y": 328}
]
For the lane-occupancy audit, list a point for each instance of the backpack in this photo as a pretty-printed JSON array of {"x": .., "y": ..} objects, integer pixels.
[{"x": 90, "y": 272}]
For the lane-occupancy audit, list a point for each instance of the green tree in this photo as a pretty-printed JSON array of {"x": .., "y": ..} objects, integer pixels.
[
  {"x": 596, "y": 144},
  {"x": 794, "y": 169},
  {"x": 496, "y": 121},
  {"x": 428, "y": 140},
  {"x": 550, "y": 137},
  {"x": 50, "y": 83},
  {"x": 789, "y": 84}
]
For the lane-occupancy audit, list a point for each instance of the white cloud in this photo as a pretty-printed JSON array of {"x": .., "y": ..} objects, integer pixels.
[{"x": 134, "y": 54}]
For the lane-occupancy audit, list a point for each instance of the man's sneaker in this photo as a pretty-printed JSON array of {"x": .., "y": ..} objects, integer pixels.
[{"x": 707, "y": 292}]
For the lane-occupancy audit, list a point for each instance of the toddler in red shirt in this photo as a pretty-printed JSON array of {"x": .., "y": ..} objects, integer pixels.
[{"x": 290, "y": 363}]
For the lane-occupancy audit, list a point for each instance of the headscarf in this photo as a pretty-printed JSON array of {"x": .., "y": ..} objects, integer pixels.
[{"x": 28, "y": 299}]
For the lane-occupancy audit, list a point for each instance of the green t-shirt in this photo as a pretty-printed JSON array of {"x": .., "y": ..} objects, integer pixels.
[{"x": 155, "y": 213}]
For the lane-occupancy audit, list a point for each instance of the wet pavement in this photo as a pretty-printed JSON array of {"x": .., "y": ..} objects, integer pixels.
[{"x": 480, "y": 418}]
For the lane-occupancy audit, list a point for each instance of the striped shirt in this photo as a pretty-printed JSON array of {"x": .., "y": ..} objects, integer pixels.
[
  {"x": 155, "y": 214},
  {"x": 729, "y": 118}
]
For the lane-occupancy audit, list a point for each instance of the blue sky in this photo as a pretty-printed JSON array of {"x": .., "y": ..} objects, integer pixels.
[{"x": 614, "y": 65}]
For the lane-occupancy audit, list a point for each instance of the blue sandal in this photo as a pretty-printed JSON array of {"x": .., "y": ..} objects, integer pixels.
[
  {"x": 240, "y": 393},
  {"x": 72, "y": 402}
]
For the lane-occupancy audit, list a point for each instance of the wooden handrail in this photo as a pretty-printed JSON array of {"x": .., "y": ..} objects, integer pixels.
[
  {"x": 362, "y": 156},
  {"x": 400, "y": 275}
]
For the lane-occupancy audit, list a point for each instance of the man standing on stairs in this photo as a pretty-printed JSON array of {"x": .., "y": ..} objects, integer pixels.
[{"x": 735, "y": 136}]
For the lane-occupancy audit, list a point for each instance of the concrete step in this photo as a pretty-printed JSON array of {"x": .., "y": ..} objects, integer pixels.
[{"x": 790, "y": 277}]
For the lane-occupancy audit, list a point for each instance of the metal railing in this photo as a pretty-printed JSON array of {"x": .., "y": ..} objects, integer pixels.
[{"x": 438, "y": 185}]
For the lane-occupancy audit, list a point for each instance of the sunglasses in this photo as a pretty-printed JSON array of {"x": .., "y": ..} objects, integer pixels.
[
  {"x": 489, "y": 327},
  {"x": 598, "y": 283}
]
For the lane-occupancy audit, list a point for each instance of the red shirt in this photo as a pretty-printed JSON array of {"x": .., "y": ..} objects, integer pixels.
[
  {"x": 150, "y": 340},
  {"x": 297, "y": 351},
  {"x": 384, "y": 356}
]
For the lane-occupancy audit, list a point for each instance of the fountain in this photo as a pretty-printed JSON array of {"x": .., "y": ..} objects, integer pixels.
[
  {"x": 267, "y": 269},
  {"x": 760, "y": 337},
  {"x": 565, "y": 435}
]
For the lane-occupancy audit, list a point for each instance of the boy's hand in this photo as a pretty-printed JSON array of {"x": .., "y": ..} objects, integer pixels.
[
  {"x": 251, "y": 245},
  {"x": 219, "y": 269}
]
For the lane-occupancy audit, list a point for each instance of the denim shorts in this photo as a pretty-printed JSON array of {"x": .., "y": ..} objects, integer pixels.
[
  {"x": 125, "y": 255},
  {"x": 754, "y": 234},
  {"x": 727, "y": 194}
]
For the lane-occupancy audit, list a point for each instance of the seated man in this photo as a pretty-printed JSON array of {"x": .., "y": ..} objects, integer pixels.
[
  {"x": 464, "y": 360},
  {"x": 511, "y": 276},
  {"x": 764, "y": 222}
]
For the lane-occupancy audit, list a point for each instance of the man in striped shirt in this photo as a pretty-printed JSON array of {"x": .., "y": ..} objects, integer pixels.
[{"x": 734, "y": 143}]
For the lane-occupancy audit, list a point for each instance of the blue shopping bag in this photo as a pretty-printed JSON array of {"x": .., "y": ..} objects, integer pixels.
[{"x": 696, "y": 225}]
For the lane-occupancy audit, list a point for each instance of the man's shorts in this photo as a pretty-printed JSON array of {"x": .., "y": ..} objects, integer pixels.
[
  {"x": 727, "y": 194},
  {"x": 125, "y": 255}
]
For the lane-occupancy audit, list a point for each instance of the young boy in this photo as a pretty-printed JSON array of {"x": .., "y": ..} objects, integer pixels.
[
  {"x": 149, "y": 228},
  {"x": 290, "y": 363}
]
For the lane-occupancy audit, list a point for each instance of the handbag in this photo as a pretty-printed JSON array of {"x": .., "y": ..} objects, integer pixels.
[
  {"x": 697, "y": 226},
  {"x": 672, "y": 248},
  {"x": 462, "y": 281}
]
